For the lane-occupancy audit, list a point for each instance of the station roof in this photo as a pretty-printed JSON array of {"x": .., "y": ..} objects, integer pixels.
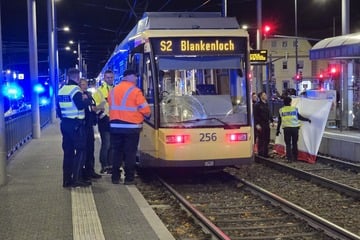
[{"x": 340, "y": 47}]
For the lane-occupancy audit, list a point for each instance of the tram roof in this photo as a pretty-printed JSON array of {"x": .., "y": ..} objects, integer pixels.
[
  {"x": 340, "y": 47},
  {"x": 186, "y": 20}
]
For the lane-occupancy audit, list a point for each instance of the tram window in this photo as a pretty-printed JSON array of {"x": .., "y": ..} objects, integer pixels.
[{"x": 189, "y": 94}]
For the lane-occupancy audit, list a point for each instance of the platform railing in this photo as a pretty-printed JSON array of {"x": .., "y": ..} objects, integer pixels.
[{"x": 18, "y": 128}]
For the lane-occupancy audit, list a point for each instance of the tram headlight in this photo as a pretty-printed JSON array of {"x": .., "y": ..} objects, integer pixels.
[{"x": 236, "y": 137}]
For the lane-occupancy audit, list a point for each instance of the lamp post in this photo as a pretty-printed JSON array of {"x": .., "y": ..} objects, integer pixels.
[
  {"x": 2, "y": 120},
  {"x": 79, "y": 55},
  {"x": 259, "y": 84},
  {"x": 52, "y": 54},
  {"x": 296, "y": 46}
]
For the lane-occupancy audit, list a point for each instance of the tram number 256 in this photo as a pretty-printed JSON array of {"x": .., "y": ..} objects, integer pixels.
[{"x": 208, "y": 137}]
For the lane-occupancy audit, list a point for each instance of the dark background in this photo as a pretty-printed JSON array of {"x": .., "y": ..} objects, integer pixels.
[{"x": 101, "y": 24}]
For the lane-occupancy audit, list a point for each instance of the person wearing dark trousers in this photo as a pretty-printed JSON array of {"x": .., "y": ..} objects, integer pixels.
[
  {"x": 100, "y": 97},
  {"x": 262, "y": 120},
  {"x": 289, "y": 119},
  {"x": 254, "y": 99},
  {"x": 71, "y": 104},
  {"x": 127, "y": 109},
  {"x": 90, "y": 121}
]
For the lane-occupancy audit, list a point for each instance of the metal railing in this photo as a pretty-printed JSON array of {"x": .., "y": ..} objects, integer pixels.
[{"x": 18, "y": 128}]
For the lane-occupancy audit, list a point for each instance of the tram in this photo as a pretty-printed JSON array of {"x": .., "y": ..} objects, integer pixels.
[{"x": 193, "y": 70}]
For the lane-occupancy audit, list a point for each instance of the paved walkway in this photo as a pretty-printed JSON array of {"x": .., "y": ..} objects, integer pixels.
[{"x": 34, "y": 205}]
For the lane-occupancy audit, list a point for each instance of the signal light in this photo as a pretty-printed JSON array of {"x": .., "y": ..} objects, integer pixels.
[
  {"x": 174, "y": 139},
  {"x": 267, "y": 29},
  {"x": 299, "y": 76},
  {"x": 333, "y": 70},
  {"x": 236, "y": 137}
]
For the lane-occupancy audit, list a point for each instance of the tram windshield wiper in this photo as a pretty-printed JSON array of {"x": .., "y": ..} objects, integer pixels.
[{"x": 226, "y": 125}]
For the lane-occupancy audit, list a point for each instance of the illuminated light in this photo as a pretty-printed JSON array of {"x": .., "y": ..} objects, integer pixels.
[
  {"x": 8, "y": 71},
  {"x": 92, "y": 90},
  {"x": 321, "y": 76},
  {"x": 21, "y": 76},
  {"x": 38, "y": 88},
  {"x": 333, "y": 70},
  {"x": 174, "y": 139},
  {"x": 237, "y": 137},
  {"x": 51, "y": 91},
  {"x": 14, "y": 75},
  {"x": 44, "y": 101},
  {"x": 12, "y": 91},
  {"x": 267, "y": 28}
]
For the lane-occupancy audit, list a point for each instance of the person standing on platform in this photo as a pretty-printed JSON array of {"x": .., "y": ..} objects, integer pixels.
[
  {"x": 262, "y": 120},
  {"x": 289, "y": 117},
  {"x": 71, "y": 104},
  {"x": 127, "y": 109},
  {"x": 90, "y": 122},
  {"x": 100, "y": 97}
]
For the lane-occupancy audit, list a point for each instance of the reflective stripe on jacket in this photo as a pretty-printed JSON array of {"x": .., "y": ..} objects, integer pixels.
[
  {"x": 67, "y": 104},
  {"x": 127, "y": 104},
  {"x": 289, "y": 116}
]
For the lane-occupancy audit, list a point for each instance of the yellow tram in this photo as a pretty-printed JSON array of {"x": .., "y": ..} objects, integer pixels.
[{"x": 193, "y": 70}]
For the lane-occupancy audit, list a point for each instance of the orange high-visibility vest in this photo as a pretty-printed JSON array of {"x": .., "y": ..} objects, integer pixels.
[{"x": 127, "y": 103}]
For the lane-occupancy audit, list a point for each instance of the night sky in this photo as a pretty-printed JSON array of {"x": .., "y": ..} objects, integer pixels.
[{"x": 101, "y": 24}]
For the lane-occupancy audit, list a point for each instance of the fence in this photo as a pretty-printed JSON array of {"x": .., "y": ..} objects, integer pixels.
[{"x": 18, "y": 128}]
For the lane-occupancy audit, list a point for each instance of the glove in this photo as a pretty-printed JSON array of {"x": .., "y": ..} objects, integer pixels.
[
  {"x": 277, "y": 133},
  {"x": 309, "y": 120}
]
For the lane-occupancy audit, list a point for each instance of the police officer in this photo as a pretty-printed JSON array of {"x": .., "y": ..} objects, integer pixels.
[
  {"x": 289, "y": 117},
  {"x": 127, "y": 109},
  {"x": 90, "y": 121},
  {"x": 100, "y": 97},
  {"x": 71, "y": 104}
]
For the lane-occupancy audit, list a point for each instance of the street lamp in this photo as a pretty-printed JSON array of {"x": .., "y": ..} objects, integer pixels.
[
  {"x": 80, "y": 59},
  {"x": 296, "y": 46}
]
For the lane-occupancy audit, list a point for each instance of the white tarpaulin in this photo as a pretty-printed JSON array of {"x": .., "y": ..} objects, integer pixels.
[{"x": 310, "y": 134}]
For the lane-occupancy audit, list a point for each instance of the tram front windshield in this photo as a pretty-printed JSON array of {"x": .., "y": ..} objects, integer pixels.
[{"x": 206, "y": 92}]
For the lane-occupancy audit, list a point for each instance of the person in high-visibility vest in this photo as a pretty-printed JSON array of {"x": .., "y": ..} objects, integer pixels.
[
  {"x": 289, "y": 119},
  {"x": 127, "y": 110},
  {"x": 100, "y": 97},
  {"x": 71, "y": 104}
]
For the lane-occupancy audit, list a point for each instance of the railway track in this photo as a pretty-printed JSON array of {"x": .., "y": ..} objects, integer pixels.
[
  {"x": 230, "y": 208},
  {"x": 341, "y": 176},
  {"x": 311, "y": 186}
]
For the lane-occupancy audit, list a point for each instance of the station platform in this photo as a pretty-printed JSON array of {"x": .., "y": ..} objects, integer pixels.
[{"x": 34, "y": 205}]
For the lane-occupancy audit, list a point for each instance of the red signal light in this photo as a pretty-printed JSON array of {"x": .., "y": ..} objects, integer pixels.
[
  {"x": 174, "y": 139},
  {"x": 333, "y": 70},
  {"x": 236, "y": 137},
  {"x": 267, "y": 29},
  {"x": 321, "y": 76}
]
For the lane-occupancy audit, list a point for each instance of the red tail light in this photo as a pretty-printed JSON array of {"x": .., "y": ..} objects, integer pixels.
[
  {"x": 236, "y": 137},
  {"x": 173, "y": 139}
]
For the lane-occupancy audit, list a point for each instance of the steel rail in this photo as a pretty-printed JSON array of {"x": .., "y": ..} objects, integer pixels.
[
  {"x": 315, "y": 221},
  {"x": 345, "y": 189},
  {"x": 205, "y": 222}
]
